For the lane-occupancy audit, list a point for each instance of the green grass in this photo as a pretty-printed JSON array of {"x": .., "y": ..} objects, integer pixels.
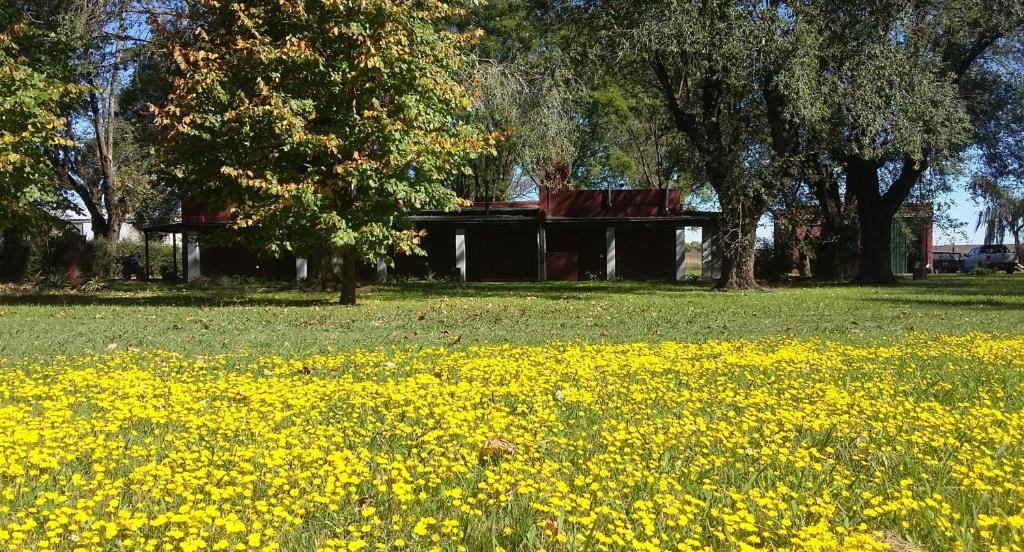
[{"x": 287, "y": 322}]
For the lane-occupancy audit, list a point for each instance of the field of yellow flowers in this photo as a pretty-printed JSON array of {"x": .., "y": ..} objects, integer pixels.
[{"x": 775, "y": 444}]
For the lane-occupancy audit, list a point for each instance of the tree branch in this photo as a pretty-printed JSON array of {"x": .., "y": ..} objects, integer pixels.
[{"x": 685, "y": 122}]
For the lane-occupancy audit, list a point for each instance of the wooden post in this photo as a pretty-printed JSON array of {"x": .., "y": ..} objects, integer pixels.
[
  {"x": 460, "y": 252},
  {"x": 174, "y": 253},
  {"x": 609, "y": 259},
  {"x": 542, "y": 253}
]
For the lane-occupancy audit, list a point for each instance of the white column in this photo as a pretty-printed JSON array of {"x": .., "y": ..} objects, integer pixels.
[
  {"x": 193, "y": 257},
  {"x": 301, "y": 269},
  {"x": 680, "y": 254},
  {"x": 382, "y": 270},
  {"x": 542, "y": 254},
  {"x": 609, "y": 255},
  {"x": 460, "y": 252}
]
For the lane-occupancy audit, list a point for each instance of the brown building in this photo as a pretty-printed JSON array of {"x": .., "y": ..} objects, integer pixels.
[{"x": 565, "y": 235}]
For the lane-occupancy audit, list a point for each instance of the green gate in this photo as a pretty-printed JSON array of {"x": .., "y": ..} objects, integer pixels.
[{"x": 898, "y": 247}]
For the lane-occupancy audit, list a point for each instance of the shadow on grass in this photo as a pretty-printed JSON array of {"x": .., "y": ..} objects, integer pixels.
[
  {"x": 951, "y": 291},
  {"x": 164, "y": 295},
  {"x": 541, "y": 290},
  {"x": 951, "y": 304},
  {"x": 185, "y": 300}
]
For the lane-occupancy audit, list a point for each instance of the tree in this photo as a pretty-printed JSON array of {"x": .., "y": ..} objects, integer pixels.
[
  {"x": 322, "y": 122},
  {"x": 536, "y": 109},
  {"x": 98, "y": 162},
  {"x": 998, "y": 115},
  {"x": 1001, "y": 213},
  {"x": 894, "y": 102},
  {"x": 640, "y": 147},
  {"x": 30, "y": 116},
  {"x": 718, "y": 67},
  {"x": 528, "y": 90}
]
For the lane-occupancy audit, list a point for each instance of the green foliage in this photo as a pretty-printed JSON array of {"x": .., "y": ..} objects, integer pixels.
[
  {"x": 103, "y": 259},
  {"x": 95, "y": 284},
  {"x": 640, "y": 146},
  {"x": 536, "y": 107},
  {"x": 15, "y": 251},
  {"x": 31, "y": 117},
  {"x": 161, "y": 255},
  {"x": 39, "y": 250},
  {"x": 323, "y": 123},
  {"x": 55, "y": 279}
]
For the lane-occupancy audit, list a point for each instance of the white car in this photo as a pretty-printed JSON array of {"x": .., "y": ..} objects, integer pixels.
[{"x": 991, "y": 256}]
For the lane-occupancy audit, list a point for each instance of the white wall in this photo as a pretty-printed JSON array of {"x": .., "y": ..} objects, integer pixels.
[{"x": 128, "y": 231}]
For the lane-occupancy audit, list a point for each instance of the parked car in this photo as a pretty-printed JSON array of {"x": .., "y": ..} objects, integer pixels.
[
  {"x": 991, "y": 256},
  {"x": 945, "y": 262}
]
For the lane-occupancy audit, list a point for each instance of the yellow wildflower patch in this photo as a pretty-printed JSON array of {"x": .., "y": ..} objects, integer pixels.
[{"x": 778, "y": 444}]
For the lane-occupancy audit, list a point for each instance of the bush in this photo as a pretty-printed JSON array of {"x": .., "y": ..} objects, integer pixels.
[
  {"x": 771, "y": 263},
  {"x": 103, "y": 259},
  {"x": 15, "y": 253}
]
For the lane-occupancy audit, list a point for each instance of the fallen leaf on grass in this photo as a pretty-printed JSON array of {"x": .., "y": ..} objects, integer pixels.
[
  {"x": 498, "y": 446},
  {"x": 899, "y": 544}
]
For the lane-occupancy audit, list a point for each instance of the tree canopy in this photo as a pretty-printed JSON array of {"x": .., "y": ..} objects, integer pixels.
[
  {"x": 31, "y": 115},
  {"x": 324, "y": 124}
]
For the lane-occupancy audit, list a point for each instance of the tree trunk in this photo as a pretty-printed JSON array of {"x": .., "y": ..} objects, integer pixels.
[
  {"x": 875, "y": 213},
  {"x": 348, "y": 278},
  {"x": 739, "y": 228},
  {"x": 875, "y": 248},
  {"x": 837, "y": 242}
]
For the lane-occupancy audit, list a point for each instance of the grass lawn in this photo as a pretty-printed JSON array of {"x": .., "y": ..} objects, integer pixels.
[{"x": 208, "y": 321}]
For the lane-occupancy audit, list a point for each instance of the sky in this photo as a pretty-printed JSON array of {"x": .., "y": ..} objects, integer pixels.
[{"x": 963, "y": 208}]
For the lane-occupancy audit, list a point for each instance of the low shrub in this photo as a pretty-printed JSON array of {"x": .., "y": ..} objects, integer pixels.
[{"x": 103, "y": 259}]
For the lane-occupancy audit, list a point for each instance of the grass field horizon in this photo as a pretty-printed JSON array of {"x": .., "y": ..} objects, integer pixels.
[{"x": 264, "y": 319}]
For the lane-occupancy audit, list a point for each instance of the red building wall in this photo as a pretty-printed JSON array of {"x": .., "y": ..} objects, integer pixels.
[{"x": 594, "y": 203}]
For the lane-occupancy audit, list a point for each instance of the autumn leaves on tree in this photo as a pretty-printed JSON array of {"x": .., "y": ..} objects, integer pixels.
[{"x": 323, "y": 125}]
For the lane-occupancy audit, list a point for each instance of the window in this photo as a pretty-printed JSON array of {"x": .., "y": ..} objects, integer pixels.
[{"x": 990, "y": 249}]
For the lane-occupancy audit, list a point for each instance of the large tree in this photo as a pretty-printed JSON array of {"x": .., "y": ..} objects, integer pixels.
[
  {"x": 322, "y": 122},
  {"x": 31, "y": 114},
  {"x": 895, "y": 98},
  {"x": 101, "y": 168},
  {"x": 719, "y": 69}
]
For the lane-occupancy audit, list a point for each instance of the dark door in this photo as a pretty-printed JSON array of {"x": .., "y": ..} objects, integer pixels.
[{"x": 563, "y": 265}]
